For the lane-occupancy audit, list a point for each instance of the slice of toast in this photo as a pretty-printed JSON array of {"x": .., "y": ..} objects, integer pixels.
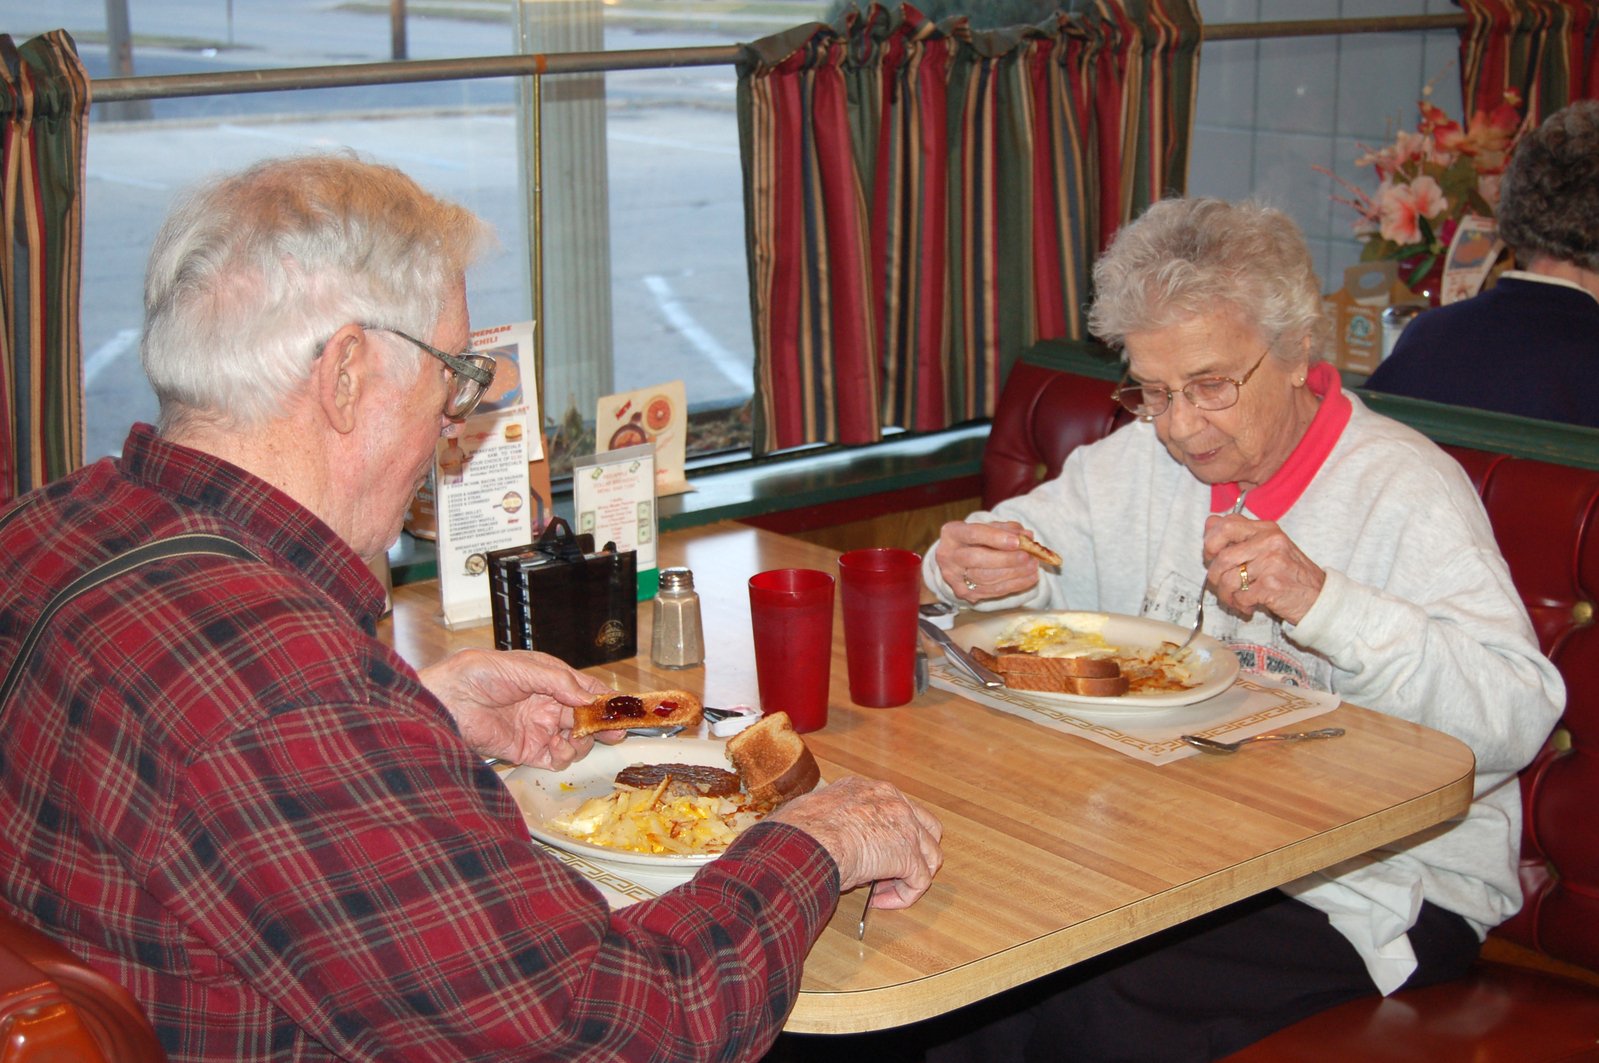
[
  {"x": 618, "y": 712},
  {"x": 1097, "y": 677},
  {"x": 1044, "y": 554},
  {"x": 1080, "y": 667},
  {"x": 773, "y": 760}
]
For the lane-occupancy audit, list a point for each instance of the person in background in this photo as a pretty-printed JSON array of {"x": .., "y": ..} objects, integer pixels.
[
  {"x": 1345, "y": 552},
  {"x": 1530, "y": 344},
  {"x": 223, "y": 790}
]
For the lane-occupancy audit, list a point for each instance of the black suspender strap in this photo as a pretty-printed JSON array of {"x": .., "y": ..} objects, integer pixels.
[{"x": 173, "y": 546}]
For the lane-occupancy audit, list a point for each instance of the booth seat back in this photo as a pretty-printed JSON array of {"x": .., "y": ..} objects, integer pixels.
[
  {"x": 1043, "y": 415},
  {"x": 1546, "y": 519},
  {"x": 55, "y": 1007}
]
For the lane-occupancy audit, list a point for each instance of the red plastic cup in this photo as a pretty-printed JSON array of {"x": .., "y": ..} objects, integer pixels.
[
  {"x": 881, "y": 589},
  {"x": 791, "y": 615}
]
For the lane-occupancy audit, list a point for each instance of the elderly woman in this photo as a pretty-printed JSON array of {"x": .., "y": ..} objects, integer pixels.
[{"x": 1344, "y": 551}]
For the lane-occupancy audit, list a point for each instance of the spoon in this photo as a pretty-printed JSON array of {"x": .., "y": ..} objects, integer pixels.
[
  {"x": 1199, "y": 617},
  {"x": 1210, "y": 745}
]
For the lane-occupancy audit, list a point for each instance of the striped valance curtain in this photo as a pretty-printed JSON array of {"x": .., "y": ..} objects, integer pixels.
[
  {"x": 1546, "y": 51},
  {"x": 924, "y": 201},
  {"x": 44, "y": 107}
]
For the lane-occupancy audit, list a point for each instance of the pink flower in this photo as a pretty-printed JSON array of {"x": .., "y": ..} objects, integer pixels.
[
  {"x": 1403, "y": 206},
  {"x": 1410, "y": 216},
  {"x": 1406, "y": 149}
]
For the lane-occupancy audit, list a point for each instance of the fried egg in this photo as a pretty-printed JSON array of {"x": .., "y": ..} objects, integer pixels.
[{"x": 1055, "y": 635}]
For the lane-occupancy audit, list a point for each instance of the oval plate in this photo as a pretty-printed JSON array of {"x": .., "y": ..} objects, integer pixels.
[
  {"x": 1215, "y": 669},
  {"x": 545, "y": 794}
]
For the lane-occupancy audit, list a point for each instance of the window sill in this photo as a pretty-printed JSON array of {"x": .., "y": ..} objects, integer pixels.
[{"x": 797, "y": 492}]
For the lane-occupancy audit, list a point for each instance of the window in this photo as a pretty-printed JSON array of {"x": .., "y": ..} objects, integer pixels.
[{"x": 661, "y": 210}]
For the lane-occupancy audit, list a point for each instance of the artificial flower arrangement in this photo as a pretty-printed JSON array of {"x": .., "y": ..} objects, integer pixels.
[{"x": 1427, "y": 182}]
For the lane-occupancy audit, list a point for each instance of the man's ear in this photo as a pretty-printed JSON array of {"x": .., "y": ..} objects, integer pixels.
[{"x": 341, "y": 375}]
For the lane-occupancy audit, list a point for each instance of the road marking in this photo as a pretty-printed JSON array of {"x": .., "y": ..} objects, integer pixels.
[
  {"x": 107, "y": 353},
  {"x": 663, "y": 142},
  {"x": 734, "y": 369}
]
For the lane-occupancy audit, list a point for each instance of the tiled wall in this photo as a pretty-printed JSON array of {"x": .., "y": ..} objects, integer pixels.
[{"x": 1271, "y": 110}]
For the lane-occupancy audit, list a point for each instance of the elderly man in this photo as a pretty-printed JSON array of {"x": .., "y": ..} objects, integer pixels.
[
  {"x": 221, "y": 788},
  {"x": 1530, "y": 344}
]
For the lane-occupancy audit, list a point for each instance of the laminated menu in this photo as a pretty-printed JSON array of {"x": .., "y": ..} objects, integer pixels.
[
  {"x": 613, "y": 496},
  {"x": 657, "y": 416},
  {"x": 482, "y": 500}
]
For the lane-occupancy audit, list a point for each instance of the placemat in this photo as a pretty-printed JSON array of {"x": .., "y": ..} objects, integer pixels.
[
  {"x": 1253, "y": 705},
  {"x": 619, "y": 890}
]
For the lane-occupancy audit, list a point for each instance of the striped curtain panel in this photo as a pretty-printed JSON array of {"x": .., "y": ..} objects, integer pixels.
[
  {"x": 44, "y": 107},
  {"x": 1546, "y": 51},
  {"x": 924, "y": 201}
]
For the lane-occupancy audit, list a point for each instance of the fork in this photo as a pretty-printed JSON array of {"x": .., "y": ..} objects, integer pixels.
[
  {"x": 1199, "y": 617},
  {"x": 866, "y": 910}
]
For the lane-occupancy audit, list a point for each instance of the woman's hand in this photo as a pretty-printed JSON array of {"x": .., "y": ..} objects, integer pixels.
[
  {"x": 515, "y": 704},
  {"x": 980, "y": 560},
  {"x": 1252, "y": 564}
]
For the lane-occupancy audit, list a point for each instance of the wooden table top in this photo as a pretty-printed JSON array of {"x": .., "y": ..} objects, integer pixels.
[{"x": 1056, "y": 849}]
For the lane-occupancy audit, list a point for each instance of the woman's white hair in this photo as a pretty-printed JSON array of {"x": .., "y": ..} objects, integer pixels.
[
  {"x": 252, "y": 273},
  {"x": 1189, "y": 257}
]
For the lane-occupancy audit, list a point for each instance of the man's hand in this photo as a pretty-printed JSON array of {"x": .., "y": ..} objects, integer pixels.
[
  {"x": 515, "y": 704},
  {"x": 874, "y": 833}
]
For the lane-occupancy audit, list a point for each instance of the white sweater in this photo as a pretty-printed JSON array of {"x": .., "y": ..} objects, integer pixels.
[{"x": 1418, "y": 618}]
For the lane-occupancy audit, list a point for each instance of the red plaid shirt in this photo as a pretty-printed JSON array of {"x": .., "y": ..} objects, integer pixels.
[{"x": 222, "y": 789}]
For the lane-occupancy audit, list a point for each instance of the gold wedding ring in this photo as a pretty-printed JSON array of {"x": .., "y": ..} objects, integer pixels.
[
  {"x": 1243, "y": 576},
  {"x": 969, "y": 584}
]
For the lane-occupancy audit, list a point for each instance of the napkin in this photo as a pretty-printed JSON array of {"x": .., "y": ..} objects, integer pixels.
[{"x": 1252, "y": 705}]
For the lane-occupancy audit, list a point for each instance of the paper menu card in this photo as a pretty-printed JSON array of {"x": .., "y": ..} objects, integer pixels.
[
  {"x": 1471, "y": 257},
  {"x": 613, "y": 497},
  {"x": 657, "y": 415},
  {"x": 515, "y": 377},
  {"x": 483, "y": 502}
]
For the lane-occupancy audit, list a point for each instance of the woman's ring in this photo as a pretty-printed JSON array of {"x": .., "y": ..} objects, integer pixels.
[
  {"x": 1243, "y": 576},
  {"x": 969, "y": 584}
]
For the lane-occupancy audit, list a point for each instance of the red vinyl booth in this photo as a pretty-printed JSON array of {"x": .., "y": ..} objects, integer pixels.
[
  {"x": 54, "y": 1007},
  {"x": 1546, "y": 518}
]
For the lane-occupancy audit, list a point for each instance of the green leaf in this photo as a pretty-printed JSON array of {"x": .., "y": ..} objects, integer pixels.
[{"x": 1420, "y": 271}]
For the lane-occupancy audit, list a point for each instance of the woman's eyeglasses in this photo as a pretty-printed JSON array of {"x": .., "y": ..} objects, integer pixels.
[{"x": 1147, "y": 401}]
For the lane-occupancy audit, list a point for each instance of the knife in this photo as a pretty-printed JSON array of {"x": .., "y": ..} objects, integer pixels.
[{"x": 958, "y": 655}]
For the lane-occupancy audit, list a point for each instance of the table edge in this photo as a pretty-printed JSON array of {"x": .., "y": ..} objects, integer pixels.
[{"x": 884, "y": 1007}]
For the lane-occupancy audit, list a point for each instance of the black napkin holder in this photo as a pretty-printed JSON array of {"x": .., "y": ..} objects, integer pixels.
[{"x": 558, "y": 595}]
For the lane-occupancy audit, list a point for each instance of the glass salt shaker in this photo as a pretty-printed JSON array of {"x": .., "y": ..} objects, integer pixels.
[{"x": 677, "y": 641}]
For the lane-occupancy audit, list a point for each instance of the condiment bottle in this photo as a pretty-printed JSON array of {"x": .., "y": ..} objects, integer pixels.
[{"x": 677, "y": 640}]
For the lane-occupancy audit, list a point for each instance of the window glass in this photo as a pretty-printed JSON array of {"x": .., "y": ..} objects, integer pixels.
[{"x": 671, "y": 217}]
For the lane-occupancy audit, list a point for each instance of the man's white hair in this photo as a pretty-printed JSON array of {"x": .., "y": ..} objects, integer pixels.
[{"x": 253, "y": 272}]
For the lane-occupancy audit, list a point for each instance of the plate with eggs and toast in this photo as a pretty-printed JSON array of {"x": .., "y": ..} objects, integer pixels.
[{"x": 1111, "y": 661}]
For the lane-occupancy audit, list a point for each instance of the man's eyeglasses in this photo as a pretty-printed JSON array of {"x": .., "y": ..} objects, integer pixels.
[
  {"x": 470, "y": 374},
  {"x": 1147, "y": 401}
]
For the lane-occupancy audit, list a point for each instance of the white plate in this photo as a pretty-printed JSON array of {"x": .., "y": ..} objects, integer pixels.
[
  {"x": 1215, "y": 669},
  {"x": 544, "y": 795}
]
